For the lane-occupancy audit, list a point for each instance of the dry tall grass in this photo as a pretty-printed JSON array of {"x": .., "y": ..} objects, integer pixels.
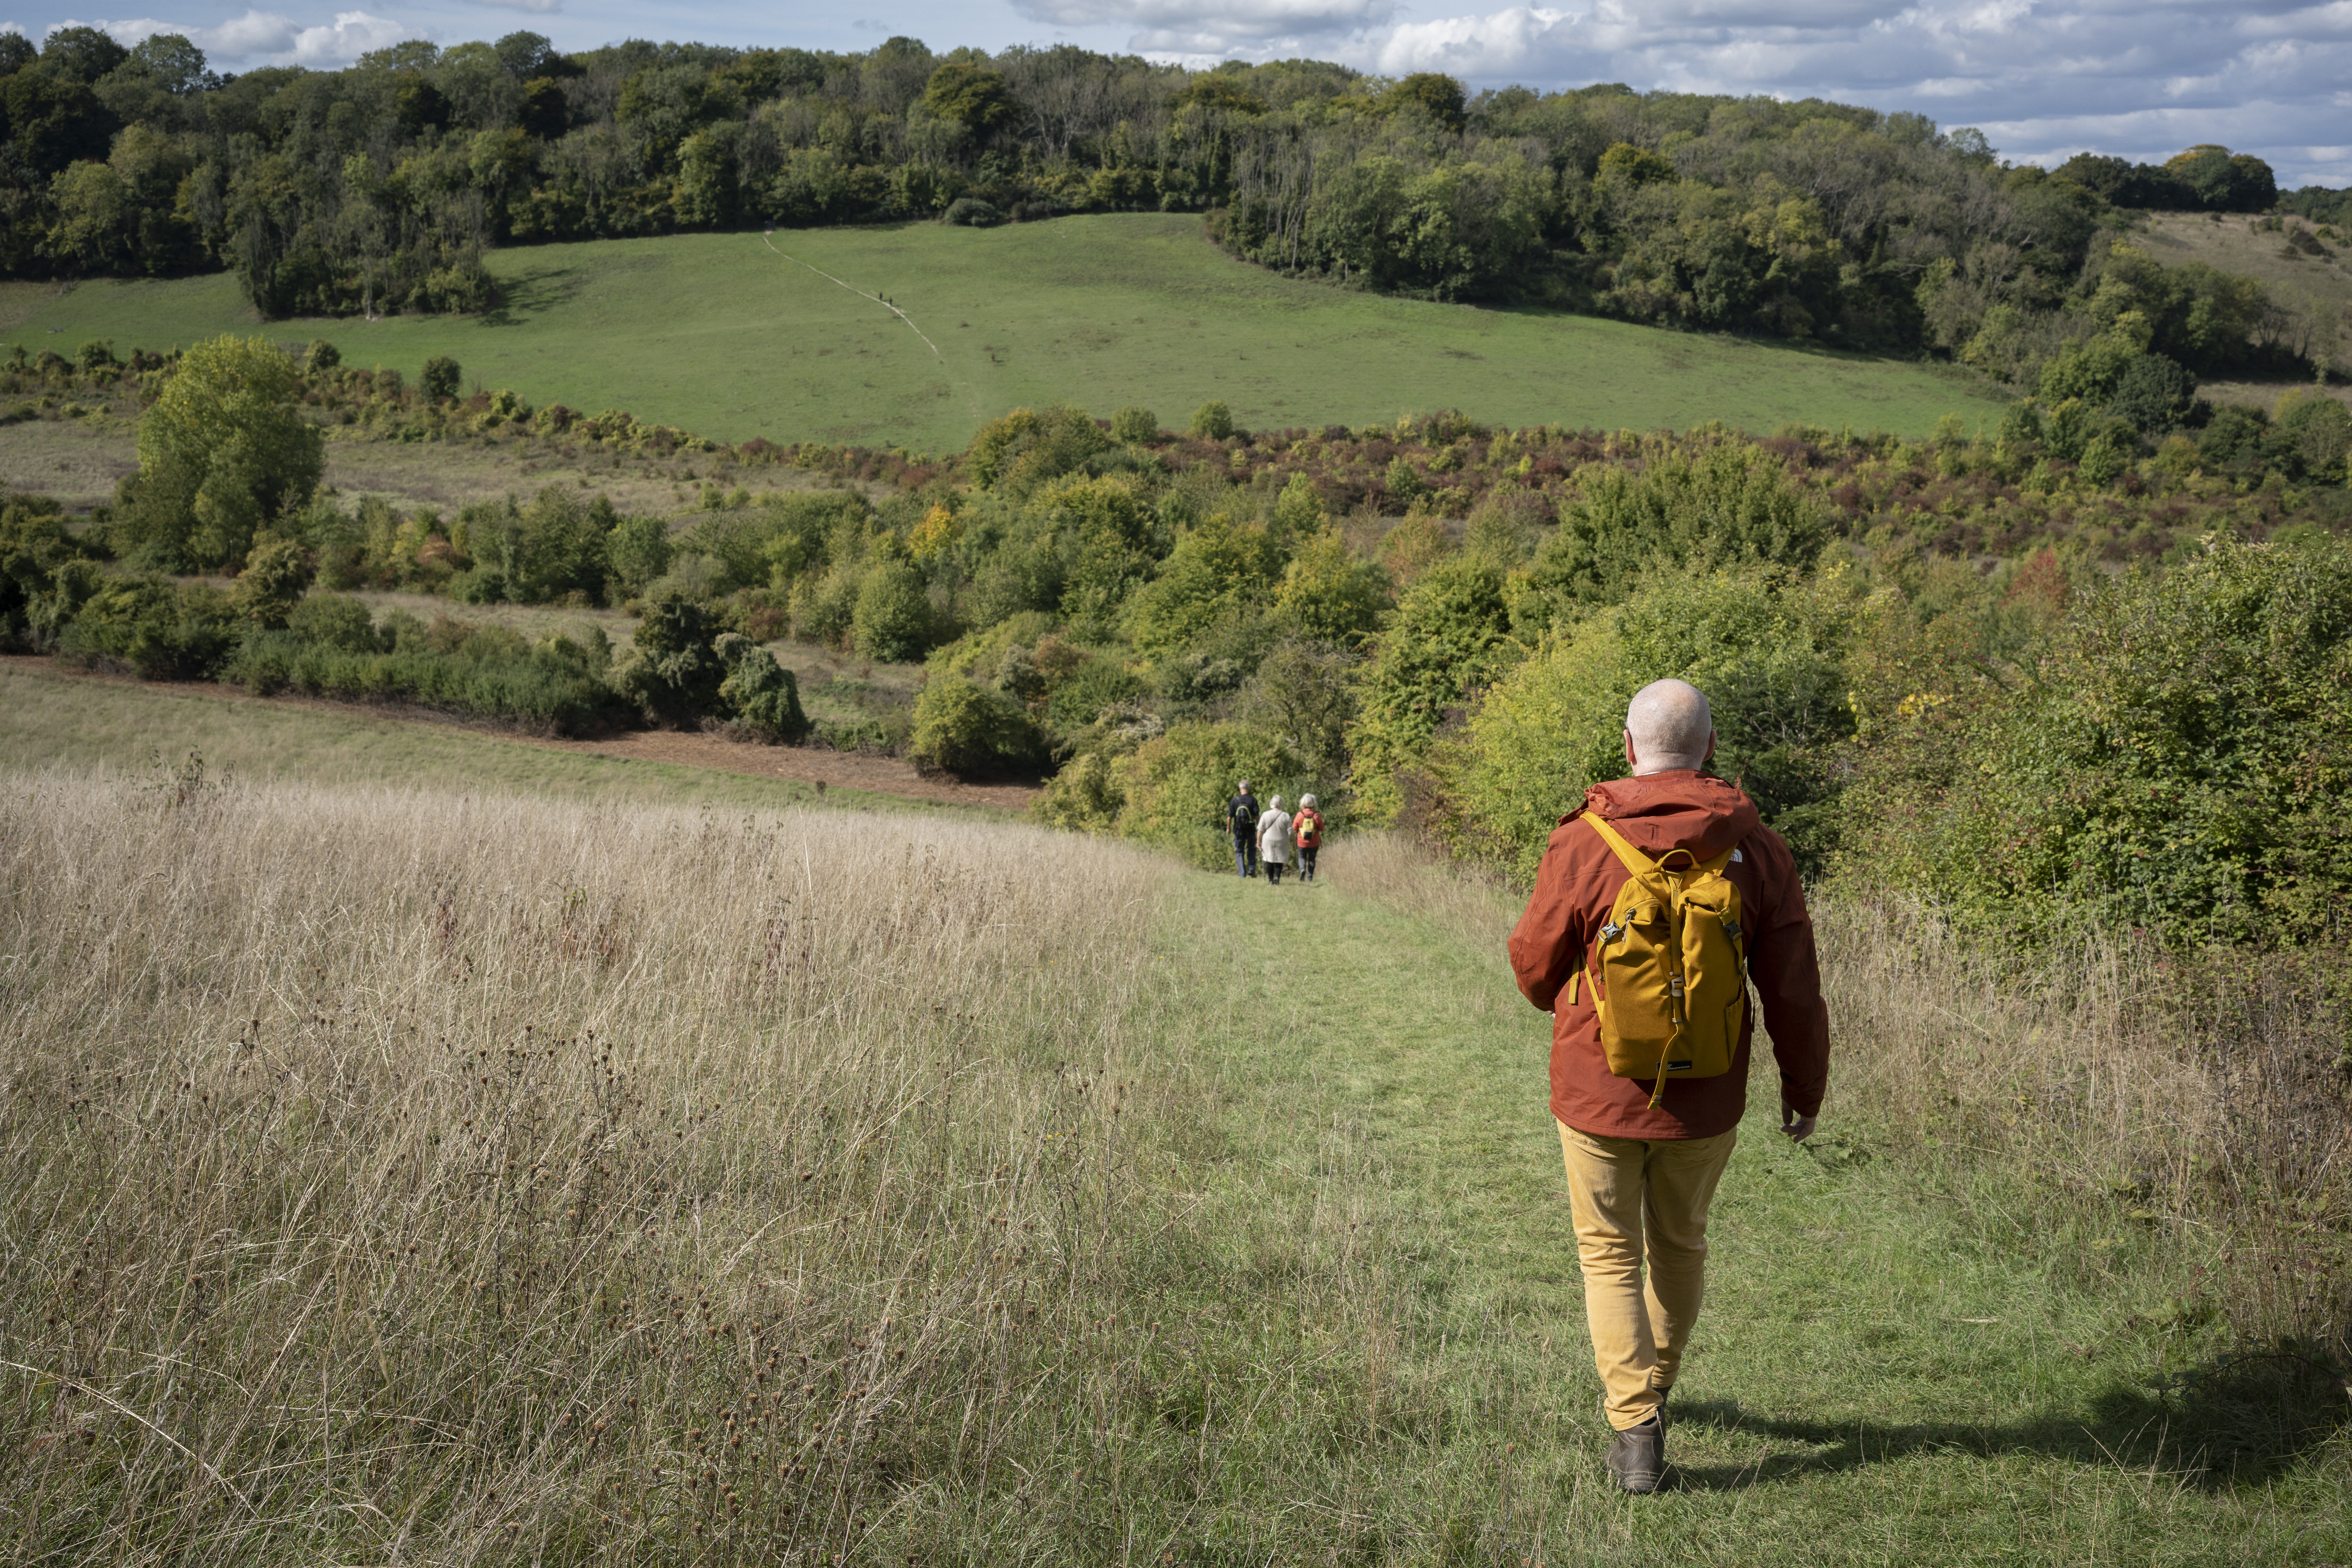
[
  {"x": 402, "y": 1177},
  {"x": 2168, "y": 1089}
]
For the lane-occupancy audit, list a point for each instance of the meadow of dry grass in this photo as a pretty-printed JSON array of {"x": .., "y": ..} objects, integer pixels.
[{"x": 405, "y": 1177}]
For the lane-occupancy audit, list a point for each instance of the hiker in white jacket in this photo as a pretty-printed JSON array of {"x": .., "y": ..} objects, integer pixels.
[{"x": 1273, "y": 841}]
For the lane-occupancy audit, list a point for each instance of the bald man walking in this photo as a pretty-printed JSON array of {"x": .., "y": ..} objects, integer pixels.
[{"x": 1643, "y": 1157}]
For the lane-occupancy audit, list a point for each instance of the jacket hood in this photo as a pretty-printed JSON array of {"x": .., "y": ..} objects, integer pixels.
[{"x": 1679, "y": 809}]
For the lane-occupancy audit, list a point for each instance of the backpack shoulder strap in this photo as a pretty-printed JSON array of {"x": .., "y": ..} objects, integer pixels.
[{"x": 1634, "y": 859}]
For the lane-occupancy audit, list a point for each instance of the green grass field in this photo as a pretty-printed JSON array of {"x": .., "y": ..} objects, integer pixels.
[
  {"x": 718, "y": 334},
  {"x": 1365, "y": 1341}
]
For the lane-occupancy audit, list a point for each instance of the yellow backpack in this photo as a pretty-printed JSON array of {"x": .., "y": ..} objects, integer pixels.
[{"x": 1671, "y": 991}]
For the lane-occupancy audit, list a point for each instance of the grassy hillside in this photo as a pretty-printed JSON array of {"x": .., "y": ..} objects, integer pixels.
[
  {"x": 720, "y": 335},
  {"x": 2314, "y": 286}
]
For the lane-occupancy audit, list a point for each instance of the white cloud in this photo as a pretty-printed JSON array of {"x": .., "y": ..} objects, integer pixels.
[{"x": 266, "y": 38}]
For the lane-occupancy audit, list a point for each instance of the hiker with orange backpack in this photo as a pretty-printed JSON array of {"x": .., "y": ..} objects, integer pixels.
[
  {"x": 1658, "y": 902},
  {"x": 1307, "y": 831}
]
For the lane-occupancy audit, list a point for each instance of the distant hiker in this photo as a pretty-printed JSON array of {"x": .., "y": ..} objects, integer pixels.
[
  {"x": 1657, "y": 899},
  {"x": 1273, "y": 841},
  {"x": 1307, "y": 832},
  {"x": 1241, "y": 821}
]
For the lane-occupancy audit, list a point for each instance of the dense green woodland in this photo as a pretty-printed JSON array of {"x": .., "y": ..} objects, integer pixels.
[
  {"x": 2076, "y": 667},
  {"x": 378, "y": 187}
]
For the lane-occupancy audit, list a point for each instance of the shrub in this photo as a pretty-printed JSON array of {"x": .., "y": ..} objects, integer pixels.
[
  {"x": 1768, "y": 652},
  {"x": 1135, "y": 425},
  {"x": 486, "y": 672},
  {"x": 1215, "y": 570},
  {"x": 973, "y": 211},
  {"x": 1328, "y": 594},
  {"x": 1727, "y": 506},
  {"x": 276, "y": 573},
  {"x": 671, "y": 670},
  {"x": 336, "y": 621},
  {"x": 1084, "y": 797},
  {"x": 1213, "y": 421},
  {"x": 1031, "y": 447},
  {"x": 439, "y": 380},
  {"x": 970, "y": 730},
  {"x": 637, "y": 550},
  {"x": 1449, "y": 636},
  {"x": 892, "y": 621},
  {"x": 155, "y": 629},
  {"x": 759, "y": 693},
  {"x": 224, "y": 451},
  {"x": 2178, "y": 764},
  {"x": 1175, "y": 786}
]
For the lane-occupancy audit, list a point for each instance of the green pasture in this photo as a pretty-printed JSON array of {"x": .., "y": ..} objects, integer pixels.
[{"x": 720, "y": 334}]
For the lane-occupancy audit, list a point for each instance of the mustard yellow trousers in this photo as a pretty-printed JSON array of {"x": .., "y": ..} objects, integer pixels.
[{"x": 1634, "y": 1199}]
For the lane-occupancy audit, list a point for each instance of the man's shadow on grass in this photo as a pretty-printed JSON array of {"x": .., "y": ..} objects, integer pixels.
[{"x": 2232, "y": 1422}]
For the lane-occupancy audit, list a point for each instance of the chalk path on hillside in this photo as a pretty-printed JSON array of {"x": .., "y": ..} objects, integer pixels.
[{"x": 969, "y": 402}]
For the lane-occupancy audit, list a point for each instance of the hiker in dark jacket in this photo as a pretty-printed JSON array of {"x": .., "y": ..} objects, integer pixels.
[
  {"x": 1643, "y": 1160},
  {"x": 1241, "y": 821}
]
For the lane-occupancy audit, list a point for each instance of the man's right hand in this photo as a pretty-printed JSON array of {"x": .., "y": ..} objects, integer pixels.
[{"x": 1795, "y": 1127}]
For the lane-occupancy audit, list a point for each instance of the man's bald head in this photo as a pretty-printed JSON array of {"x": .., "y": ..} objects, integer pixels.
[{"x": 1668, "y": 725}]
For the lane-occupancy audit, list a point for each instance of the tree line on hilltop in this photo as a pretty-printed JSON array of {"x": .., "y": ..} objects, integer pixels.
[{"x": 377, "y": 188}]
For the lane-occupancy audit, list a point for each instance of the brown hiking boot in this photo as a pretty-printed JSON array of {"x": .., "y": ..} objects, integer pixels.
[{"x": 1637, "y": 1456}]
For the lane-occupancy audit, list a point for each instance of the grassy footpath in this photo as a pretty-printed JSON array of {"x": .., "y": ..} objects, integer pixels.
[
  {"x": 1886, "y": 1373},
  {"x": 718, "y": 334}
]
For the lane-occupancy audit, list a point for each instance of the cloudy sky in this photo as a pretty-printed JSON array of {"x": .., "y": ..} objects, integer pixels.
[{"x": 2042, "y": 77}]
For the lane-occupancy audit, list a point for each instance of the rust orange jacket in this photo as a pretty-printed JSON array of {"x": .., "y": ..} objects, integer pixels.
[{"x": 1577, "y": 884}]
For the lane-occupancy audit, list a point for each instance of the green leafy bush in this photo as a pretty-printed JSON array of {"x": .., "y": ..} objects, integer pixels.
[
  {"x": 1767, "y": 650},
  {"x": 336, "y": 621},
  {"x": 155, "y": 628},
  {"x": 670, "y": 669},
  {"x": 1449, "y": 637},
  {"x": 1213, "y": 421},
  {"x": 2177, "y": 763},
  {"x": 971, "y": 730},
  {"x": 893, "y": 619},
  {"x": 1174, "y": 787},
  {"x": 759, "y": 693},
  {"x": 1084, "y": 797},
  {"x": 224, "y": 451},
  {"x": 485, "y": 672},
  {"x": 1727, "y": 505},
  {"x": 1135, "y": 425},
  {"x": 277, "y": 573}
]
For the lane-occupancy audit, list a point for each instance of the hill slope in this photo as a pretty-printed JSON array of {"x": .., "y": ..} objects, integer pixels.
[{"x": 720, "y": 334}]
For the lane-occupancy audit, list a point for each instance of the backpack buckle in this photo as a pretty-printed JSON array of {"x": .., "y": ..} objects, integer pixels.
[{"x": 1609, "y": 933}]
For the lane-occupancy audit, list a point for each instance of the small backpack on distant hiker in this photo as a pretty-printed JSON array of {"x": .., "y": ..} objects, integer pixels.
[{"x": 1671, "y": 991}]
